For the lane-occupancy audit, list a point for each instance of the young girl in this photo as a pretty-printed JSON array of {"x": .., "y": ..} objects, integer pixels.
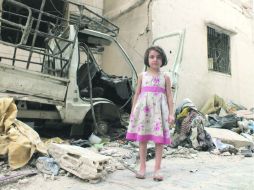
[{"x": 152, "y": 110}]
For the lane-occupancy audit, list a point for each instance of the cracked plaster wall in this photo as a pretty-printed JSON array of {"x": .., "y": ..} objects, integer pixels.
[{"x": 196, "y": 82}]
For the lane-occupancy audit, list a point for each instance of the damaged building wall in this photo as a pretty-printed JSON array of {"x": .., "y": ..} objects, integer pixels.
[
  {"x": 133, "y": 21},
  {"x": 200, "y": 83},
  {"x": 196, "y": 81}
]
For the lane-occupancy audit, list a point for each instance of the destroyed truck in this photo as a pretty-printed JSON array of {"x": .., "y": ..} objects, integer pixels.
[{"x": 56, "y": 62}]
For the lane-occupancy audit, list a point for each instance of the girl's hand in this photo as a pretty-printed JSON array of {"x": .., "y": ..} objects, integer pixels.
[{"x": 171, "y": 119}]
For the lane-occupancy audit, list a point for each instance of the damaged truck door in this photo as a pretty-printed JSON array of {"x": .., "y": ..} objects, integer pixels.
[{"x": 56, "y": 62}]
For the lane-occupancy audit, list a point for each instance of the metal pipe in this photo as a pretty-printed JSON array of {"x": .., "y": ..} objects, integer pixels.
[{"x": 35, "y": 34}]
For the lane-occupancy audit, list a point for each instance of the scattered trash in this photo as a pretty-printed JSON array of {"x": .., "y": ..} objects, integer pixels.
[
  {"x": 53, "y": 140},
  {"x": 213, "y": 105},
  {"x": 223, "y": 147},
  {"x": 47, "y": 165},
  {"x": 246, "y": 114},
  {"x": 246, "y": 152},
  {"x": 181, "y": 152},
  {"x": 81, "y": 143},
  {"x": 23, "y": 181},
  {"x": 108, "y": 152},
  {"x": 194, "y": 170},
  {"x": 93, "y": 139},
  {"x": 14, "y": 176},
  {"x": 189, "y": 128},
  {"x": 232, "y": 106},
  {"x": 1, "y": 163},
  {"x": 17, "y": 140},
  {"x": 226, "y": 122}
]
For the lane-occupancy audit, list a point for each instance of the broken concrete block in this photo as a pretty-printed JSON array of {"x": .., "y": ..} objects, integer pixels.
[
  {"x": 229, "y": 137},
  {"x": 79, "y": 161}
]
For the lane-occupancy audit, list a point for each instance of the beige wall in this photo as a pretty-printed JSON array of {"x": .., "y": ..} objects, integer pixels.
[
  {"x": 196, "y": 82},
  {"x": 133, "y": 24},
  {"x": 94, "y": 5}
]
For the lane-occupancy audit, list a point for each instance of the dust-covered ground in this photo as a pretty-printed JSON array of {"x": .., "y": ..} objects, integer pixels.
[{"x": 203, "y": 171}]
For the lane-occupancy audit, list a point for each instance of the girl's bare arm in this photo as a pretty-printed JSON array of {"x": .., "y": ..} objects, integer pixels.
[
  {"x": 137, "y": 92},
  {"x": 169, "y": 95}
]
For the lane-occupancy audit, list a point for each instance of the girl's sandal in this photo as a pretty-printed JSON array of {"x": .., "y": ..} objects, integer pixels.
[
  {"x": 158, "y": 176},
  {"x": 140, "y": 176}
]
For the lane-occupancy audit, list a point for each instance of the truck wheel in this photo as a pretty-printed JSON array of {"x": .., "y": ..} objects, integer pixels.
[{"x": 102, "y": 128}]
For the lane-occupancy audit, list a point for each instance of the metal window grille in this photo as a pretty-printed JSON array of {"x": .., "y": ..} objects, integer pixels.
[{"x": 218, "y": 51}]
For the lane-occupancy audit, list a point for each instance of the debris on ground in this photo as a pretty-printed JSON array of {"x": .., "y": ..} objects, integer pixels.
[
  {"x": 47, "y": 165},
  {"x": 92, "y": 160},
  {"x": 180, "y": 152},
  {"x": 17, "y": 140},
  {"x": 189, "y": 128},
  {"x": 14, "y": 176},
  {"x": 223, "y": 147},
  {"x": 229, "y": 137},
  {"x": 79, "y": 161}
]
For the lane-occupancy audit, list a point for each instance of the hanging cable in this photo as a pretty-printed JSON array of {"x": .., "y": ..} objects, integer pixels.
[{"x": 82, "y": 45}]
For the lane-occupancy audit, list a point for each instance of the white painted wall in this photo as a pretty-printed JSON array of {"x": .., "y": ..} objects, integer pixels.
[{"x": 196, "y": 82}]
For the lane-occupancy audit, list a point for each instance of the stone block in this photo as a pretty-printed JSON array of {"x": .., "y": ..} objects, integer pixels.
[
  {"x": 229, "y": 137},
  {"x": 79, "y": 161}
]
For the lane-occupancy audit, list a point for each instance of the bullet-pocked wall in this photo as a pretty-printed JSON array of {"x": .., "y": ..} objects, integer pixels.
[{"x": 196, "y": 81}]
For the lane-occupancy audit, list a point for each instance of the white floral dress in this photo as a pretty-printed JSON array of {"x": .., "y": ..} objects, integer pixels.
[{"x": 149, "y": 119}]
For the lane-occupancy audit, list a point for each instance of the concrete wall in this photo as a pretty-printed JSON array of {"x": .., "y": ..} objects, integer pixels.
[
  {"x": 94, "y": 5},
  {"x": 132, "y": 18},
  {"x": 196, "y": 82}
]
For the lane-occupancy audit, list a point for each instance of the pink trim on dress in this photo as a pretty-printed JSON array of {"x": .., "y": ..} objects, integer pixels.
[
  {"x": 153, "y": 89},
  {"x": 141, "y": 138}
]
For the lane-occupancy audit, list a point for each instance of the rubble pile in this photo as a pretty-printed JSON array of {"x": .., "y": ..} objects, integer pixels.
[
  {"x": 221, "y": 131},
  {"x": 218, "y": 127}
]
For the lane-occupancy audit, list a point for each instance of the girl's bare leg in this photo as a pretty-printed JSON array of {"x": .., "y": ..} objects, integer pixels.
[
  {"x": 142, "y": 155},
  {"x": 158, "y": 157}
]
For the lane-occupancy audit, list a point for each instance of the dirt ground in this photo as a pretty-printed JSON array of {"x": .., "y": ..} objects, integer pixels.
[{"x": 206, "y": 171}]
